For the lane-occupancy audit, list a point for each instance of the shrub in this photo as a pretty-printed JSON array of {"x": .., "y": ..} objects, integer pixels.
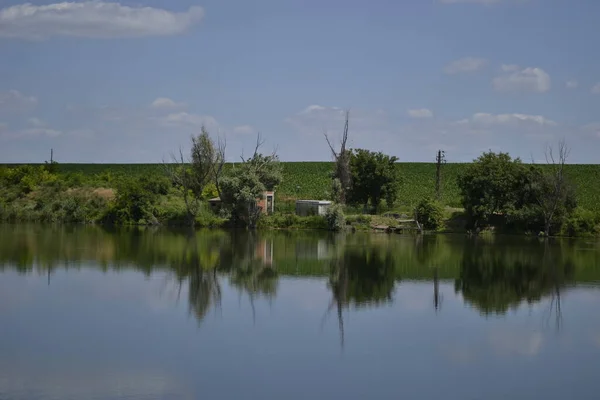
[
  {"x": 581, "y": 223},
  {"x": 336, "y": 220},
  {"x": 429, "y": 213}
]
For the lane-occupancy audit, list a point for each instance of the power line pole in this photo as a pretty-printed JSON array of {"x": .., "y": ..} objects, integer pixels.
[{"x": 440, "y": 159}]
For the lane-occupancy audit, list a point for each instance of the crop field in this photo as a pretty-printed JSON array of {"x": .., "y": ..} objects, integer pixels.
[{"x": 311, "y": 180}]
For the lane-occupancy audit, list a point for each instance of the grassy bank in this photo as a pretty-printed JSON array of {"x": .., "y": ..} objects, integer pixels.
[
  {"x": 141, "y": 194},
  {"x": 310, "y": 180}
]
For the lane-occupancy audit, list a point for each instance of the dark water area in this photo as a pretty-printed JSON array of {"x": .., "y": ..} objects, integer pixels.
[{"x": 91, "y": 313}]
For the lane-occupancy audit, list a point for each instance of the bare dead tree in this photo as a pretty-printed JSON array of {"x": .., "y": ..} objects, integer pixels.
[
  {"x": 217, "y": 171},
  {"x": 554, "y": 190},
  {"x": 554, "y": 307},
  {"x": 342, "y": 161}
]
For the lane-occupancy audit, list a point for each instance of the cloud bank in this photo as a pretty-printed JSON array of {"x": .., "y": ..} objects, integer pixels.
[{"x": 93, "y": 19}]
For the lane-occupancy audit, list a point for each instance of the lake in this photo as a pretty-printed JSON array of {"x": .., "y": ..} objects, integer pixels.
[{"x": 95, "y": 313}]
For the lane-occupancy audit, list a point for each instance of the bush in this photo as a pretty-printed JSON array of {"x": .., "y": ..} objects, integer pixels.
[
  {"x": 135, "y": 202},
  {"x": 336, "y": 220},
  {"x": 429, "y": 213},
  {"x": 581, "y": 223}
]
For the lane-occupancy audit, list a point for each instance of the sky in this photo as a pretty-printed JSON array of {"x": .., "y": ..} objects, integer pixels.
[{"x": 131, "y": 81}]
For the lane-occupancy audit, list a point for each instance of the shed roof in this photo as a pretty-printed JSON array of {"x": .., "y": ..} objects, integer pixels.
[{"x": 315, "y": 202}]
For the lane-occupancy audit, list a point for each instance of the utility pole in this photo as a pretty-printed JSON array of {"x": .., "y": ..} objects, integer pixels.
[
  {"x": 440, "y": 159},
  {"x": 51, "y": 155}
]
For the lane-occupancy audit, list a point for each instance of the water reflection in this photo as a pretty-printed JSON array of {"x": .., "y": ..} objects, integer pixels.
[
  {"x": 495, "y": 280},
  {"x": 360, "y": 277},
  {"x": 361, "y": 270},
  {"x": 398, "y": 305}
]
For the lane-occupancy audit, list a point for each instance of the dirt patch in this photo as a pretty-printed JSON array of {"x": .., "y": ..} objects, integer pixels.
[{"x": 105, "y": 193}]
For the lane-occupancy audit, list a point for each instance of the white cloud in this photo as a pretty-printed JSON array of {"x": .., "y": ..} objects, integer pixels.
[
  {"x": 166, "y": 103},
  {"x": 93, "y": 19},
  {"x": 244, "y": 130},
  {"x": 466, "y": 64},
  {"x": 36, "y": 122},
  {"x": 183, "y": 119},
  {"x": 596, "y": 88},
  {"x": 13, "y": 100},
  {"x": 572, "y": 84},
  {"x": 528, "y": 79},
  {"x": 421, "y": 113},
  {"x": 315, "y": 108},
  {"x": 510, "y": 119}
]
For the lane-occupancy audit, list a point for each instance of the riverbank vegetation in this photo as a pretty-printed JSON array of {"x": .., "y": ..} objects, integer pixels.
[{"x": 369, "y": 189}]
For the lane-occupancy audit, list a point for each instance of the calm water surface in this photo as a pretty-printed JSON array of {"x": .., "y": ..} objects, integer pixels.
[{"x": 87, "y": 313}]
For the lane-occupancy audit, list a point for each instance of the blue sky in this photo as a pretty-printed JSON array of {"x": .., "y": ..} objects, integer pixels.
[{"x": 131, "y": 81}]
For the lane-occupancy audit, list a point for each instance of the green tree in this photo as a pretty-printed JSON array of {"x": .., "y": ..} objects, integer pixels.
[
  {"x": 244, "y": 185},
  {"x": 193, "y": 175},
  {"x": 135, "y": 201},
  {"x": 494, "y": 184},
  {"x": 374, "y": 177}
]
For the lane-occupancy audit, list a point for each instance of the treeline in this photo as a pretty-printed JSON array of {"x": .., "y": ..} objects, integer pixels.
[{"x": 497, "y": 193}]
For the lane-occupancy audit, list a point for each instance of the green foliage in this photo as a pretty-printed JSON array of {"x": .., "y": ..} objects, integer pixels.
[
  {"x": 210, "y": 191},
  {"x": 430, "y": 214},
  {"x": 374, "y": 177},
  {"x": 358, "y": 219},
  {"x": 312, "y": 180},
  {"x": 336, "y": 220},
  {"x": 244, "y": 185},
  {"x": 292, "y": 221},
  {"x": 493, "y": 184},
  {"x": 337, "y": 192},
  {"x": 582, "y": 223},
  {"x": 507, "y": 194},
  {"x": 135, "y": 201}
]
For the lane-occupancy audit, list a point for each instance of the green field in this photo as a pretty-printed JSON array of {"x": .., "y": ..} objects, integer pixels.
[{"x": 310, "y": 180}]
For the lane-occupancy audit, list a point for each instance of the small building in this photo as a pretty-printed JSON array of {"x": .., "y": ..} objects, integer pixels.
[
  {"x": 267, "y": 203},
  {"x": 312, "y": 207}
]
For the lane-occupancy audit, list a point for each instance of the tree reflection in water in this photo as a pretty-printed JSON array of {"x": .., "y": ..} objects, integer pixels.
[
  {"x": 360, "y": 277},
  {"x": 493, "y": 275},
  {"x": 243, "y": 257},
  {"x": 494, "y": 280}
]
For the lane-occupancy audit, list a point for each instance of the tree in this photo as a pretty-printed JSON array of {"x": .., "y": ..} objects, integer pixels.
[
  {"x": 555, "y": 196},
  {"x": 374, "y": 177},
  {"x": 342, "y": 163},
  {"x": 494, "y": 184},
  {"x": 245, "y": 184},
  {"x": 194, "y": 174}
]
